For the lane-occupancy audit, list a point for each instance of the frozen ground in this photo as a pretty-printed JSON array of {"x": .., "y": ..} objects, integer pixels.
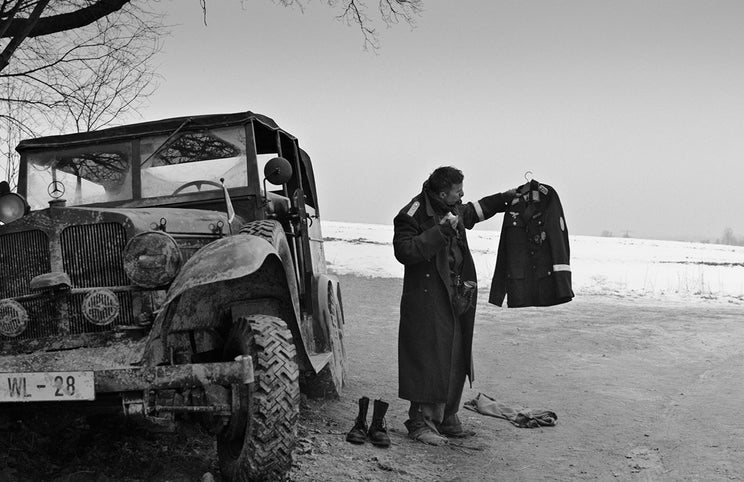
[{"x": 619, "y": 267}]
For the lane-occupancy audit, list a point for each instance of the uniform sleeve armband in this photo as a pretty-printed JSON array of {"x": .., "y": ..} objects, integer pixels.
[{"x": 479, "y": 210}]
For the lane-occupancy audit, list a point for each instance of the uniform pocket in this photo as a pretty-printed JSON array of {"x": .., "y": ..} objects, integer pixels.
[
  {"x": 545, "y": 288},
  {"x": 516, "y": 287}
]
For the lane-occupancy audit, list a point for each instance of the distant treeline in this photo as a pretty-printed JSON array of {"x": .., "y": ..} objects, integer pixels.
[
  {"x": 610, "y": 234},
  {"x": 728, "y": 238}
]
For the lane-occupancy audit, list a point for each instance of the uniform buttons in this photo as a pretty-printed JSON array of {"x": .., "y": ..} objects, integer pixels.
[
  {"x": 514, "y": 223},
  {"x": 427, "y": 275},
  {"x": 425, "y": 290}
]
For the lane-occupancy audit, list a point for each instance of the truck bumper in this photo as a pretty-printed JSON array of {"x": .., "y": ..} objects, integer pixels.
[{"x": 167, "y": 377}]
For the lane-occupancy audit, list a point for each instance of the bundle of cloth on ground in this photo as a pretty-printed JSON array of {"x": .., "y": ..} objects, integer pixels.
[{"x": 521, "y": 417}]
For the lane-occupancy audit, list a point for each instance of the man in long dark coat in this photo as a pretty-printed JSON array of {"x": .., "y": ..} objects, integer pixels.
[{"x": 436, "y": 327}]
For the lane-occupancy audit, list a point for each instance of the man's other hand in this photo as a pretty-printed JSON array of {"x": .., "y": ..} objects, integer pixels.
[{"x": 451, "y": 219}]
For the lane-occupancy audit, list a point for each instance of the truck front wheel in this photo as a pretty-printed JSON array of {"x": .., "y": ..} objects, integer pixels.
[{"x": 257, "y": 442}]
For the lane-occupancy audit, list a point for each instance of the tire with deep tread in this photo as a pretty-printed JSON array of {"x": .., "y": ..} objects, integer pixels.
[
  {"x": 267, "y": 229},
  {"x": 273, "y": 232},
  {"x": 258, "y": 441}
]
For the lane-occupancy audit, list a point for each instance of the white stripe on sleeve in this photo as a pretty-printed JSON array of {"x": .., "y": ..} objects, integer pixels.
[
  {"x": 479, "y": 211},
  {"x": 561, "y": 267}
]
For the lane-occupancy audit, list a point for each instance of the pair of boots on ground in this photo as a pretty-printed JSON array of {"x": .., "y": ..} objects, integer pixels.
[{"x": 377, "y": 431}]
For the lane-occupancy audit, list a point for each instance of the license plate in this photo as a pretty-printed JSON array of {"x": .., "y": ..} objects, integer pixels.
[{"x": 47, "y": 386}]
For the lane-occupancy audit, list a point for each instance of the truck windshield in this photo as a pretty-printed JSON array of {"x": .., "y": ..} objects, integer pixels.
[
  {"x": 82, "y": 175},
  {"x": 169, "y": 165}
]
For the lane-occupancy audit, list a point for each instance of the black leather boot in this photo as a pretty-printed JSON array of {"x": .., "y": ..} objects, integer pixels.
[
  {"x": 358, "y": 433},
  {"x": 378, "y": 428}
]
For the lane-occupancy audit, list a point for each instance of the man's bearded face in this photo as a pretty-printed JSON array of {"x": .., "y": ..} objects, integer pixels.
[{"x": 453, "y": 196}]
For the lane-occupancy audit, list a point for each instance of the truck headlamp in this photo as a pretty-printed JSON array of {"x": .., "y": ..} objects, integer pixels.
[
  {"x": 12, "y": 207},
  {"x": 152, "y": 259}
]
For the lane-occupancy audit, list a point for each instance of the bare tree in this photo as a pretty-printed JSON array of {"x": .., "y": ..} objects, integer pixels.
[
  {"x": 80, "y": 66},
  {"x": 22, "y": 19},
  {"x": 391, "y": 11},
  {"x": 355, "y": 12}
]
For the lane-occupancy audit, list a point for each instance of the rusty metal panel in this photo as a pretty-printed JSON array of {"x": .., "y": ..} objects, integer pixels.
[
  {"x": 189, "y": 245},
  {"x": 89, "y": 352}
]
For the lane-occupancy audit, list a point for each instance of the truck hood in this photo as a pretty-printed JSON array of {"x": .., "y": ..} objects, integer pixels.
[{"x": 134, "y": 220}]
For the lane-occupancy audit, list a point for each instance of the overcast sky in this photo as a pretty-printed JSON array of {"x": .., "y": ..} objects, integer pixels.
[{"x": 633, "y": 110}]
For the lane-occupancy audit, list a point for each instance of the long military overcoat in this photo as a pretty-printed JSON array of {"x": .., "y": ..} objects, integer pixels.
[{"x": 427, "y": 317}]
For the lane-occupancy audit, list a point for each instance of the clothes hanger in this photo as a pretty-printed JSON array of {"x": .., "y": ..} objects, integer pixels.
[{"x": 526, "y": 187}]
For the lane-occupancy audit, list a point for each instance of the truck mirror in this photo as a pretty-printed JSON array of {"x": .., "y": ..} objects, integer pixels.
[{"x": 278, "y": 171}]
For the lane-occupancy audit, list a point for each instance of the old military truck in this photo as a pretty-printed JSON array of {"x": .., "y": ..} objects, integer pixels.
[{"x": 175, "y": 269}]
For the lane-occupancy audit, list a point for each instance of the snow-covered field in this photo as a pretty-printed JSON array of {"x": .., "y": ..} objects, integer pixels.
[{"x": 619, "y": 267}]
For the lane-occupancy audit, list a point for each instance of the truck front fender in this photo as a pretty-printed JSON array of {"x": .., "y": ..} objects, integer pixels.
[
  {"x": 224, "y": 259},
  {"x": 237, "y": 270}
]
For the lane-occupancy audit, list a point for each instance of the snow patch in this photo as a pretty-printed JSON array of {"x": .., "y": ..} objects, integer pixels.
[{"x": 619, "y": 267}]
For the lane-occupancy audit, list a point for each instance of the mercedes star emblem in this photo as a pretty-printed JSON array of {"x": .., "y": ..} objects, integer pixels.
[{"x": 56, "y": 189}]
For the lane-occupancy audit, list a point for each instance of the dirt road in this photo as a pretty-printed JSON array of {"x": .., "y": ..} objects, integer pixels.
[{"x": 642, "y": 392}]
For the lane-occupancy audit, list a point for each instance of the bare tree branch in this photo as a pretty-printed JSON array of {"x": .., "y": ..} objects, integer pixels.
[
  {"x": 18, "y": 38},
  {"x": 79, "y": 80},
  {"x": 354, "y": 12},
  {"x": 66, "y": 21}
]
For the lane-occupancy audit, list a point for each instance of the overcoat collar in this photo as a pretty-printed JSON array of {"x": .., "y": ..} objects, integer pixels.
[{"x": 427, "y": 202}]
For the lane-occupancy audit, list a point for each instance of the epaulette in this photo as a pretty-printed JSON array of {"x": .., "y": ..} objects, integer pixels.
[{"x": 414, "y": 207}]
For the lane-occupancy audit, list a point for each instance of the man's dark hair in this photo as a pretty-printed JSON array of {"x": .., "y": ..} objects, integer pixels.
[{"x": 443, "y": 178}]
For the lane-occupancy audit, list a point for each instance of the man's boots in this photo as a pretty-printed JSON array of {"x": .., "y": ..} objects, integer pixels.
[
  {"x": 358, "y": 433},
  {"x": 378, "y": 430}
]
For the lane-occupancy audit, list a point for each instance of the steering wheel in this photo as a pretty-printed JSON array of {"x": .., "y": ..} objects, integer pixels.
[{"x": 198, "y": 184}]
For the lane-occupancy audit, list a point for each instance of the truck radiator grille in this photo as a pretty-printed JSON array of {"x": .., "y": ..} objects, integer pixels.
[
  {"x": 92, "y": 256},
  {"x": 22, "y": 256},
  {"x": 43, "y": 319}
]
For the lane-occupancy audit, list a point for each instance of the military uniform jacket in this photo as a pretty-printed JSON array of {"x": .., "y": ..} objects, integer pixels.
[
  {"x": 532, "y": 264},
  {"x": 427, "y": 318}
]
